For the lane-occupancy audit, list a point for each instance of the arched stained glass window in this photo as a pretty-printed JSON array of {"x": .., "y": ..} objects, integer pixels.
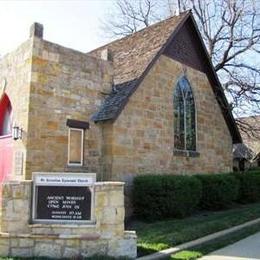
[
  {"x": 5, "y": 116},
  {"x": 184, "y": 116}
]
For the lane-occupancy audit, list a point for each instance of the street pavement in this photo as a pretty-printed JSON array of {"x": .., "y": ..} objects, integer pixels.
[{"x": 245, "y": 249}]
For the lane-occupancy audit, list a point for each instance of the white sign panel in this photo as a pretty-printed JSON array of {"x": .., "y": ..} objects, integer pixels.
[{"x": 60, "y": 179}]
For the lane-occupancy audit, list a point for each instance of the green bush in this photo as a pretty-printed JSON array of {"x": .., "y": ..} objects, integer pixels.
[
  {"x": 163, "y": 196},
  {"x": 219, "y": 191},
  {"x": 249, "y": 190}
]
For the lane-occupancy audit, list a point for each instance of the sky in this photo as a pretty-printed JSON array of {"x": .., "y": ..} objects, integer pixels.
[{"x": 72, "y": 23}]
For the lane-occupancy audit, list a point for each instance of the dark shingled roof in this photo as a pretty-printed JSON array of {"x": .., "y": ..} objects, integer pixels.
[
  {"x": 114, "y": 101},
  {"x": 132, "y": 54}
]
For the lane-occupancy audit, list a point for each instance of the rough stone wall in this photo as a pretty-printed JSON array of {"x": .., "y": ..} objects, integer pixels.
[
  {"x": 16, "y": 207},
  {"x": 15, "y": 67},
  {"x": 107, "y": 152},
  {"x": 143, "y": 134},
  {"x": 19, "y": 237},
  {"x": 65, "y": 84}
]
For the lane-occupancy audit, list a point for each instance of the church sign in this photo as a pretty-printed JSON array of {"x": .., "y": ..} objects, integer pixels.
[{"x": 63, "y": 197}]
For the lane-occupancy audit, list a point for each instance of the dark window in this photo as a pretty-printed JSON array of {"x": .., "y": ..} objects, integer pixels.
[{"x": 184, "y": 116}]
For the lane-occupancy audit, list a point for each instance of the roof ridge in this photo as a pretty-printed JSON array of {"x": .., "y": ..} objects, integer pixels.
[{"x": 141, "y": 30}]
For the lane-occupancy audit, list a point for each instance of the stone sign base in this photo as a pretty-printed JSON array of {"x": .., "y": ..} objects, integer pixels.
[{"x": 106, "y": 236}]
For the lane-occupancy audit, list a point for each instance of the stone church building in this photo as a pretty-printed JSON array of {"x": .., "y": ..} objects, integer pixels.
[{"x": 148, "y": 103}]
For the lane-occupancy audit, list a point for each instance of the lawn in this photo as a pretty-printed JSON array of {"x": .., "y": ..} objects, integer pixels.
[
  {"x": 206, "y": 248},
  {"x": 156, "y": 236}
]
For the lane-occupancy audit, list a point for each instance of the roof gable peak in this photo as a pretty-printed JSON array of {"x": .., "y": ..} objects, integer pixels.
[{"x": 134, "y": 56}]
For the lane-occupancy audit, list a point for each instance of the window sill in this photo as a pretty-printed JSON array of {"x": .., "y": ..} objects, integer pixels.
[
  {"x": 185, "y": 153},
  {"x": 76, "y": 168}
]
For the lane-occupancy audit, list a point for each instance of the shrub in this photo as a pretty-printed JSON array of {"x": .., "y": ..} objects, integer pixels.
[
  {"x": 255, "y": 170},
  {"x": 219, "y": 191},
  {"x": 249, "y": 190},
  {"x": 163, "y": 196}
]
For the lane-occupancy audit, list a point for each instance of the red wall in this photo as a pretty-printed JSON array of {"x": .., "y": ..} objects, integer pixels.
[
  {"x": 6, "y": 157},
  {"x": 6, "y": 143}
]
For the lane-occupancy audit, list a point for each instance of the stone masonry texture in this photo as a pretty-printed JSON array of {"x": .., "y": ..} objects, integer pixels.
[
  {"x": 65, "y": 84},
  {"x": 141, "y": 140},
  {"x": 19, "y": 236}
]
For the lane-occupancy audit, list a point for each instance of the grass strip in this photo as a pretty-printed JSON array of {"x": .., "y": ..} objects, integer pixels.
[
  {"x": 206, "y": 248},
  {"x": 154, "y": 237}
]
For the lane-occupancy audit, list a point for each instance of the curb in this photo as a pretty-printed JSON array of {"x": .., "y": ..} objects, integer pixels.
[{"x": 172, "y": 250}]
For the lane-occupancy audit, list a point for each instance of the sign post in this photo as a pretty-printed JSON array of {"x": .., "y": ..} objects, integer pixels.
[{"x": 63, "y": 198}]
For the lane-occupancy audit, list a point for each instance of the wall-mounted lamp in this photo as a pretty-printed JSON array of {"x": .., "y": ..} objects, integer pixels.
[{"x": 17, "y": 132}]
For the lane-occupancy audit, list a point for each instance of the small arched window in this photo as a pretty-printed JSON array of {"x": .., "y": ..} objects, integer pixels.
[
  {"x": 5, "y": 116},
  {"x": 184, "y": 116}
]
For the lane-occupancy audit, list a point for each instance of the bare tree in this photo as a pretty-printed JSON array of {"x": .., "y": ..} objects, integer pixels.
[
  {"x": 230, "y": 30},
  {"x": 130, "y": 16}
]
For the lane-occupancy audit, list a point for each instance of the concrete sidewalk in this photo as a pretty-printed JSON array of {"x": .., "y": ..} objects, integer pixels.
[
  {"x": 245, "y": 249},
  {"x": 167, "y": 252}
]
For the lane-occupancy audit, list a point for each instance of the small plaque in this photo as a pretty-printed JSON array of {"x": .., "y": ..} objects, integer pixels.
[{"x": 63, "y": 198}]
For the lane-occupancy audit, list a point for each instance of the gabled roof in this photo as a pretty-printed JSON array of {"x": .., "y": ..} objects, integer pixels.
[
  {"x": 114, "y": 101},
  {"x": 134, "y": 55},
  {"x": 241, "y": 151}
]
